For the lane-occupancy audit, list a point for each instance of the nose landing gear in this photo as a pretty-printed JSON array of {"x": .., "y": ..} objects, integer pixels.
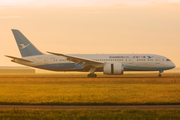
[{"x": 160, "y": 73}]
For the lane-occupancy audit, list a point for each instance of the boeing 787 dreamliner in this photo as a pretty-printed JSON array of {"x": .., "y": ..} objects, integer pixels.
[{"x": 109, "y": 64}]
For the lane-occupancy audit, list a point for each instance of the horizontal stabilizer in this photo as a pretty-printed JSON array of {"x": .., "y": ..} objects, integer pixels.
[{"x": 16, "y": 58}]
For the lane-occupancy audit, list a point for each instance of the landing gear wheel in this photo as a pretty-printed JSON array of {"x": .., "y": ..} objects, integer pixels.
[
  {"x": 91, "y": 75},
  {"x": 159, "y": 75},
  {"x": 161, "y": 71},
  {"x": 95, "y": 75}
]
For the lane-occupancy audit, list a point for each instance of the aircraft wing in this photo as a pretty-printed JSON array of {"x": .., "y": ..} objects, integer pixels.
[
  {"x": 16, "y": 58},
  {"x": 79, "y": 60}
]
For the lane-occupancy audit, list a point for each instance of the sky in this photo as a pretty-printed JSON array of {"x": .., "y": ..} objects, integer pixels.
[
  {"x": 92, "y": 26},
  {"x": 80, "y": 2}
]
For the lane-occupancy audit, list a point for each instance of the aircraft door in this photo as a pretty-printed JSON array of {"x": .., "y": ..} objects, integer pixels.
[
  {"x": 132, "y": 61},
  {"x": 157, "y": 60},
  {"x": 39, "y": 60},
  {"x": 163, "y": 61},
  {"x": 46, "y": 60}
]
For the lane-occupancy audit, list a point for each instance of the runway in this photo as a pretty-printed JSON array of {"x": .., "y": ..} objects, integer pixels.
[
  {"x": 84, "y": 77},
  {"x": 48, "y": 107}
]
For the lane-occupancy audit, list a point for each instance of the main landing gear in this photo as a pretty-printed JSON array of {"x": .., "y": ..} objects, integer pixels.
[
  {"x": 160, "y": 73},
  {"x": 91, "y": 75}
]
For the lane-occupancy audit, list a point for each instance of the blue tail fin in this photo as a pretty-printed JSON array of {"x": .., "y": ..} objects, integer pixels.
[{"x": 25, "y": 46}]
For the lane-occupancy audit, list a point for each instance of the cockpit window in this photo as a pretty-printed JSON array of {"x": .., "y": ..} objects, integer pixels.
[{"x": 168, "y": 60}]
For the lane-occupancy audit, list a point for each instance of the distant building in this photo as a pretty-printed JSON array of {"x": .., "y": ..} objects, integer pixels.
[{"x": 16, "y": 70}]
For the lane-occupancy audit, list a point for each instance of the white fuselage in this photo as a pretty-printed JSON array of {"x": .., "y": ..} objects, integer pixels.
[{"x": 131, "y": 62}]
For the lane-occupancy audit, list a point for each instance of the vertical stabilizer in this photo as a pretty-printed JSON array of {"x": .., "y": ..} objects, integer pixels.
[{"x": 25, "y": 46}]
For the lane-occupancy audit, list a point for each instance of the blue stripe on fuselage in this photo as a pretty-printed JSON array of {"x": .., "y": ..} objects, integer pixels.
[
  {"x": 137, "y": 68},
  {"x": 59, "y": 66},
  {"x": 66, "y": 66}
]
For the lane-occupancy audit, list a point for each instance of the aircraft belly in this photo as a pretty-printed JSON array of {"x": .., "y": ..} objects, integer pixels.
[
  {"x": 139, "y": 68},
  {"x": 59, "y": 66}
]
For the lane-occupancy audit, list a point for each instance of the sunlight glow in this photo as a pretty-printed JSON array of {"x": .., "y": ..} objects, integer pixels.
[{"x": 80, "y": 2}]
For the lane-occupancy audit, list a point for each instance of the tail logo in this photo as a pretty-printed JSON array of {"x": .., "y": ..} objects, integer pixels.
[{"x": 24, "y": 46}]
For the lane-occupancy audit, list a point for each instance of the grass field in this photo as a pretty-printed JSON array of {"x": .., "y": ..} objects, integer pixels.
[
  {"x": 79, "y": 90},
  {"x": 15, "y": 114}
]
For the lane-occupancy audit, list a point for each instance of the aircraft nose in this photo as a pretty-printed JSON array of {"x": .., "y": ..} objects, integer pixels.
[
  {"x": 170, "y": 64},
  {"x": 173, "y": 65}
]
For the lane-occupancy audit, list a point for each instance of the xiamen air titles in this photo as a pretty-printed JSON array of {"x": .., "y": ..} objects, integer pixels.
[{"x": 109, "y": 64}]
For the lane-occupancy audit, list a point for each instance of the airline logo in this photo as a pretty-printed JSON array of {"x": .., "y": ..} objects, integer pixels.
[
  {"x": 150, "y": 57},
  {"x": 24, "y": 46},
  {"x": 118, "y": 56}
]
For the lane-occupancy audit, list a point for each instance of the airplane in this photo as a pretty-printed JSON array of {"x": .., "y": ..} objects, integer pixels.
[{"x": 109, "y": 64}]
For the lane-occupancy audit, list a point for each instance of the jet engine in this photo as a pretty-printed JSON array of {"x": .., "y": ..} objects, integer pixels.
[{"x": 113, "y": 69}]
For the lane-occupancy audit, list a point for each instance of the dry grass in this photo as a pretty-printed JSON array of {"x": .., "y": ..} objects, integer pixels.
[
  {"x": 106, "y": 90},
  {"x": 17, "y": 114}
]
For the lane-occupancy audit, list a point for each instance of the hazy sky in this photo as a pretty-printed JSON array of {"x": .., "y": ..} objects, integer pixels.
[
  {"x": 79, "y": 2},
  {"x": 92, "y": 26}
]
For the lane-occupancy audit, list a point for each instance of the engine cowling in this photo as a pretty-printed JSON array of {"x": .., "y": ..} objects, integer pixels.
[{"x": 113, "y": 69}]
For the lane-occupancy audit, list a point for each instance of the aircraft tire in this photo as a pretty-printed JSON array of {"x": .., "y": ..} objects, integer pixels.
[
  {"x": 159, "y": 75},
  {"x": 91, "y": 75}
]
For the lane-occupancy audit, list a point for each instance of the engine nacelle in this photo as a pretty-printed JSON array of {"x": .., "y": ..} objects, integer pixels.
[{"x": 113, "y": 69}]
